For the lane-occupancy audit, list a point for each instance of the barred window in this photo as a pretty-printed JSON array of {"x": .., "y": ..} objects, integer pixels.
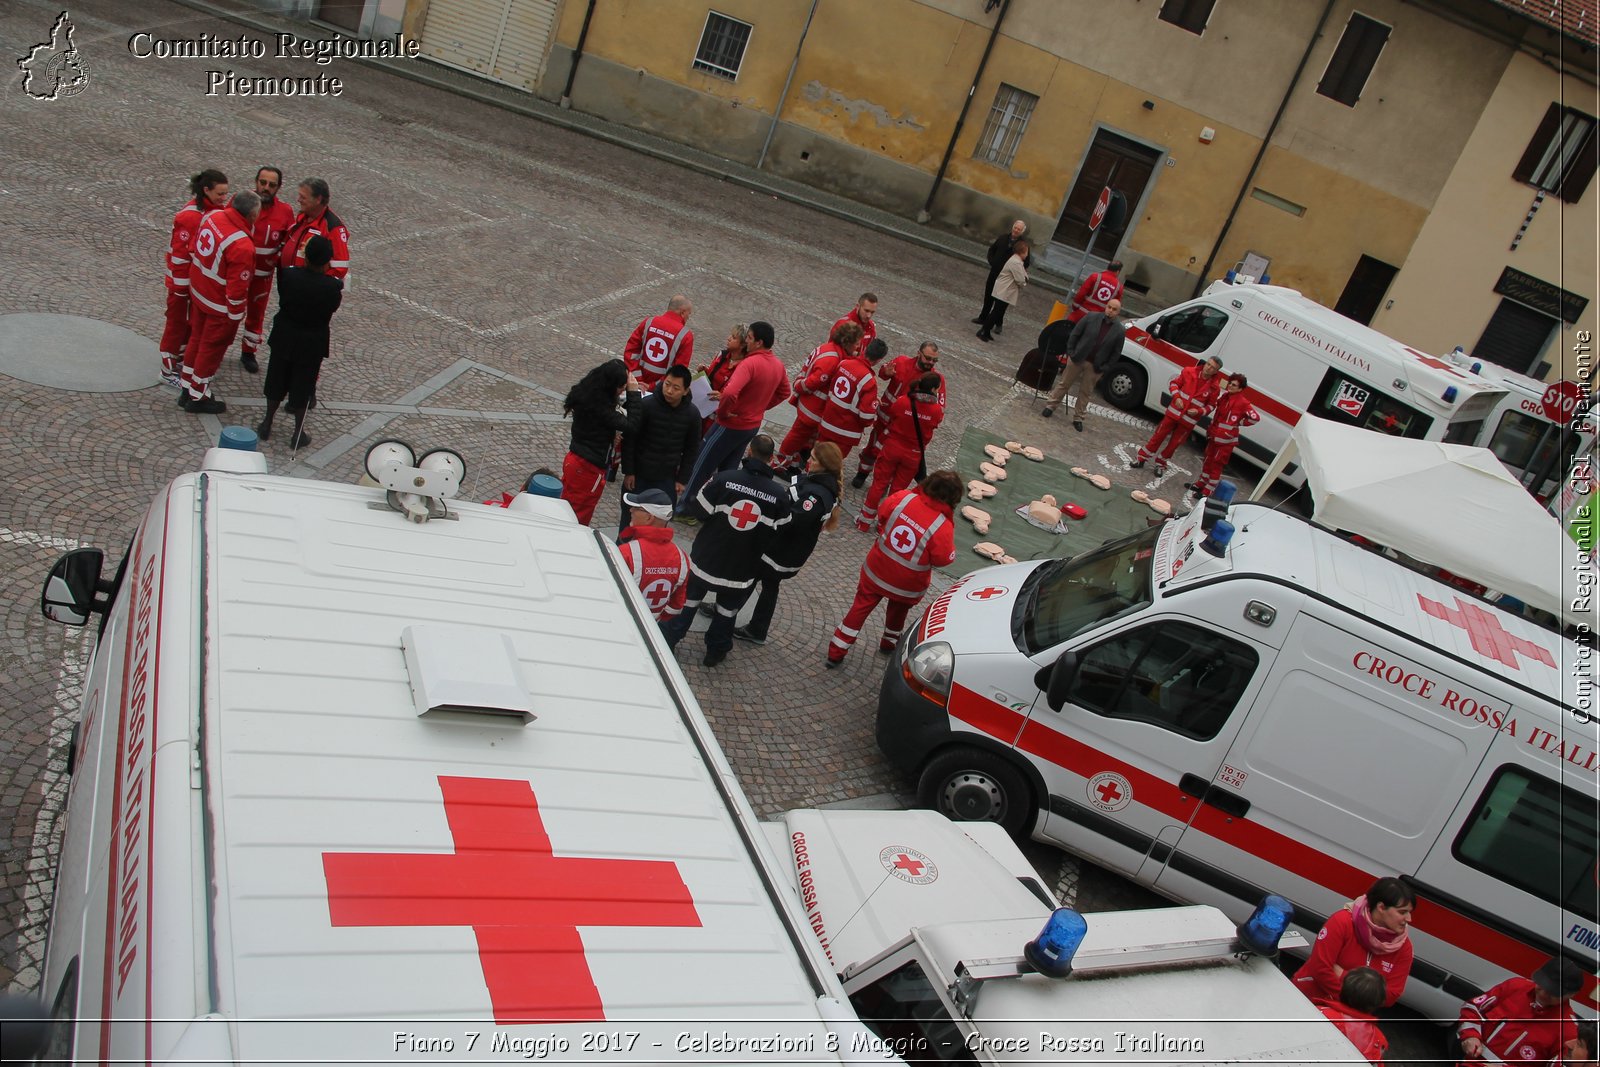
[
  {"x": 722, "y": 45},
  {"x": 1003, "y": 129}
]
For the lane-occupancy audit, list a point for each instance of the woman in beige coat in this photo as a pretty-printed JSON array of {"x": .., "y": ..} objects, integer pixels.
[{"x": 1007, "y": 287}]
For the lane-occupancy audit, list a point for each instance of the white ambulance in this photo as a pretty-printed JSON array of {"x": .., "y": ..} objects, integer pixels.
[
  {"x": 928, "y": 923},
  {"x": 1299, "y": 356},
  {"x": 1536, "y": 448},
  {"x": 348, "y": 787},
  {"x": 1285, "y": 712}
]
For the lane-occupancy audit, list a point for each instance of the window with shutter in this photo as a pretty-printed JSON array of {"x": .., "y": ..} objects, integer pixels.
[
  {"x": 1191, "y": 15},
  {"x": 1353, "y": 59},
  {"x": 1563, "y": 154}
]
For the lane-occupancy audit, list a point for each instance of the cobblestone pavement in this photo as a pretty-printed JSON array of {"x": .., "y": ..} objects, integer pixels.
[{"x": 494, "y": 260}]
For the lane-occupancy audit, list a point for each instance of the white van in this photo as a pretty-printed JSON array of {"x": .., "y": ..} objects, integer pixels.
[
  {"x": 1299, "y": 357},
  {"x": 348, "y": 787},
  {"x": 1533, "y": 446},
  {"x": 1288, "y": 713}
]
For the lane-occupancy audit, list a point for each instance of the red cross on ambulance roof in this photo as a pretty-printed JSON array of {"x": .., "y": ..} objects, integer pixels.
[
  {"x": 523, "y": 902},
  {"x": 1430, "y": 361},
  {"x": 1488, "y": 637},
  {"x": 744, "y": 515}
]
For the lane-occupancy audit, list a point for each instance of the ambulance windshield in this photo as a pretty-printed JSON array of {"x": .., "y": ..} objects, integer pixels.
[{"x": 1080, "y": 593}]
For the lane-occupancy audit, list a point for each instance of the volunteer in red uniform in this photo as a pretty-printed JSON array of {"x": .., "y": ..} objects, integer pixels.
[
  {"x": 912, "y": 420},
  {"x": 1524, "y": 1019},
  {"x": 1234, "y": 412},
  {"x": 1193, "y": 391},
  {"x": 915, "y": 534},
  {"x": 719, "y": 372},
  {"x": 1097, "y": 290},
  {"x": 758, "y": 384},
  {"x": 809, "y": 392},
  {"x": 659, "y": 567},
  {"x": 661, "y": 342},
  {"x": 209, "y": 191},
  {"x": 852, "y": 400},
  {"x": 1360, "y": 995},
  {"x": 317, "y": 217},
  {"x": 222, "y": 267},
  {"x": 863, "y": 315},
  {"x": 897, "y": 374},
  {"x": 273, "y": 222},
  {"x": 1371, "y": 931}
]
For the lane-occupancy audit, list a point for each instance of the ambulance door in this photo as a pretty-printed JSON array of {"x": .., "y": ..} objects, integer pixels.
[
  {"x": 1159, "y": 347},
  {"x": 1149, "y": 715},
  {"x": 1518, "y": 858}
]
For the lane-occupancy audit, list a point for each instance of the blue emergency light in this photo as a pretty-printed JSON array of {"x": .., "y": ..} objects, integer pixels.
[
  {"x": 1449, "y": 394},
  {"x": 1224, "y": 492},
  {"x": 1216, "y": 542},
  {"x": 1266, "y": 926},
  {"x": 1052, "y": 951}
]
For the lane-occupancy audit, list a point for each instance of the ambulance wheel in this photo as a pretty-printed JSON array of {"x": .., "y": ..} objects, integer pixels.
[
  {"x": 1124, "y": 385},
  {"x": 971, "y": 785}
]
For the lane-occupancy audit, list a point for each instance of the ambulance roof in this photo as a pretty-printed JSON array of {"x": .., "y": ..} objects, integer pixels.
[
  {"x": 1285, "y": 547},
  {"x": 373, "y": 866},
  {"x": 1210, "y": 1012},
  {"x": 1428, "y": 376}
]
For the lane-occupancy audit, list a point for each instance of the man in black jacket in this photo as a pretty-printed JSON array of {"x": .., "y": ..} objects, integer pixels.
[
  {"x": 1095, "y": 344},
  {"x": 661, "y": 441},
  {"x": 999, "y": 252},
  {"x": 307, "y": 298},
  {"x": 740, "y": 510}
]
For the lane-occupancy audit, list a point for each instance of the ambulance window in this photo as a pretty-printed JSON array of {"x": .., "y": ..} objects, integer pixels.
[
  {"x": 903, "y": 1009},
  {"x": 1168, "y": 674},
  {"x": 1526, "y": 443},
  {"x": 1536, "y": 835},
  {"x": 1192, "y": 329},
  {"x": 1089, "y": 589},
  {"x": 1354, "y": 403}
]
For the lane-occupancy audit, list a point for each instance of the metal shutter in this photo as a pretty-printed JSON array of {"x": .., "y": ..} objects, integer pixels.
[
  {"x": 520, "y": 59},
  {"x": 1515, "y": 337},
  {"x": 464, "y": 33}
]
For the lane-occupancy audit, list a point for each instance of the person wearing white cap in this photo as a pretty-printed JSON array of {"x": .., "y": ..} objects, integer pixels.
[{"x": 659, "y": 567}]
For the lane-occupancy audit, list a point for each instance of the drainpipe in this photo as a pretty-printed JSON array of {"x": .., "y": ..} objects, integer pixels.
[
  {"x": 926, "y": 213},
  {"x": 783, "y": 97},
  {"x": 577, "y": 54},
  {"x": 1255, "y": 164}
]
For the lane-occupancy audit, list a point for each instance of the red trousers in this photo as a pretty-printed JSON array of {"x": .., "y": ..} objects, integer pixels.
[
  {"x": 210, "y": 335},
  {"x": 1217, "y": 457},
  {"x": 1175, "y": 430},
  {"x": 255, "y": 312},
  {"x": 845, "y": 443},
  {"x": 874, "y": 445},
  {"x": 582, "y": 484},
  {"x": 867, "y": 597},
  {"x": 176, "y": 333},
  {"x": 801, "y": 436},
  {"x": 896, "y": 468}
]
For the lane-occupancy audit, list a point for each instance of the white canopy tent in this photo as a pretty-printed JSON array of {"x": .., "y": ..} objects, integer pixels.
[{"x": 1452, "y": 506}]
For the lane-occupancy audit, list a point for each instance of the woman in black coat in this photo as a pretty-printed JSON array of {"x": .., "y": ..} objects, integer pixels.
[
  {"x": 813, "y": 507},
  {"x": 307, "y": 299},
  {"x": 599, "y": 414}
]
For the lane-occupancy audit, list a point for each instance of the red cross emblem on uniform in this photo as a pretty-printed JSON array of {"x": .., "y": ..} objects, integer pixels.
[
  {"x": 1109, "y": 791},
  {"x": 902, "y": 539},
  {"x": 1488, "y": 637},
  {"x": 523, "y": 902},
  {"x": 744, "y": 515},
  {"x": 910, "y": 866}
]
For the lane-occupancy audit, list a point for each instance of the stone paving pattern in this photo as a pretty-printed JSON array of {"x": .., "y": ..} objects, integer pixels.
[{"x": 526, "y": 250}]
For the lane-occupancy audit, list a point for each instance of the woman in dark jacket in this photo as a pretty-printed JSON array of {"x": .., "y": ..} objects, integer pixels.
[
  {"x": 307, "y": 299},
  {"x": 597, "y": 419},
  {"x": 814, "y": 507}
]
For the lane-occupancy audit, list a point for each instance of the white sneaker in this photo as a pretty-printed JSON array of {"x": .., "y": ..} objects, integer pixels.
[{"x": 171, "y": 377}]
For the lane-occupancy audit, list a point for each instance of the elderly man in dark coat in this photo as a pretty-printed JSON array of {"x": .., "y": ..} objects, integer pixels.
[
  {"x": 307, "y": 299},
  {"x": 999, "y": 252}
]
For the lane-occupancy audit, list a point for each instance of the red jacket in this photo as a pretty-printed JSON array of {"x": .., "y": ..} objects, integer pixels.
[
  {"x": 659, "y": 568},
  {"x": 869, "y": 330},
  {"x": 1513, "y": 1027},
  {"x": 811, "y": 385},
  {"x": 1361, "y": 1029},
  {"x": 1336, "y": 944},
  {"x": 271, "y": 225},
  {"x": 1192, "y": 394},
  {"x": 657, "y": 344},
  {"x": 899, "y": 373},
  {"x": 901, "y": 436},
  {"x": 1234, "y": 412},
  {"x": 184, "y": 223},
  {"x": 223, "y": 265},
  {"x": 328, "y": 225},
  {"x": 915, "y": 535},
  {"x": 1097, "y": 290},
  {"x": 852, "y": 399},
  {"x": 759, "y": 382}
]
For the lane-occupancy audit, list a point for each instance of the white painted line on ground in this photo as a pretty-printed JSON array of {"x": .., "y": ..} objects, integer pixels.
[{"x": 28, "y": 537}]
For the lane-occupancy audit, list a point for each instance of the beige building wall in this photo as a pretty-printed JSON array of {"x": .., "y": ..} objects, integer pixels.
[{"x": 1444, "y": 294}]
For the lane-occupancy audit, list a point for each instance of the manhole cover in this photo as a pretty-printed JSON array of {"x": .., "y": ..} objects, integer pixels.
[{"x": 76, "y": 353}]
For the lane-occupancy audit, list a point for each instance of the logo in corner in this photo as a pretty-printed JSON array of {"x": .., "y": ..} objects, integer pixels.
[{"x": 54, "y": 69}]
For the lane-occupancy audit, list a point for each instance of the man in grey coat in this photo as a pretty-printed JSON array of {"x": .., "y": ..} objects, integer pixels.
[{"x": 1095, "y": 344}]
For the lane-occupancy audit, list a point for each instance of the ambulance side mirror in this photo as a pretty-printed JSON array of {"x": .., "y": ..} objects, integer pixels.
[
  {"x": 1157, "y": 328},
  {"x": 70, "y": 592},
  {"x": 1055, "y": 681}
]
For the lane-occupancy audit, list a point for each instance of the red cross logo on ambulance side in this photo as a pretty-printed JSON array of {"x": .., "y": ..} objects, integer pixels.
[
  {"x": 908, "y": 865},
  {"x": 1109, "y": 791}
]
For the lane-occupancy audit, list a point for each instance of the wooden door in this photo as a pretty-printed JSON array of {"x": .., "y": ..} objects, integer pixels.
[{"x": 1115, "y": 161}]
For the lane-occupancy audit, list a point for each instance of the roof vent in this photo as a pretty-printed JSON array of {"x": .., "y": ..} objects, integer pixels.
[{"x": 456, "y": 669}]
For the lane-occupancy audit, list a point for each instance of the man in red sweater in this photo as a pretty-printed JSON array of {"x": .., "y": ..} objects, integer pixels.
[
  {"x": 759, "y": 383},
  {"x": 1523, "y": 1018}
]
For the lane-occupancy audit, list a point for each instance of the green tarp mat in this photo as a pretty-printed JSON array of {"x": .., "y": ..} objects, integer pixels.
[{"x": 1112, "y": 513}]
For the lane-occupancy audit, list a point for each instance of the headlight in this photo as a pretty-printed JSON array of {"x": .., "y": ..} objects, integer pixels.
[{"x": 928, "y": 670}]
